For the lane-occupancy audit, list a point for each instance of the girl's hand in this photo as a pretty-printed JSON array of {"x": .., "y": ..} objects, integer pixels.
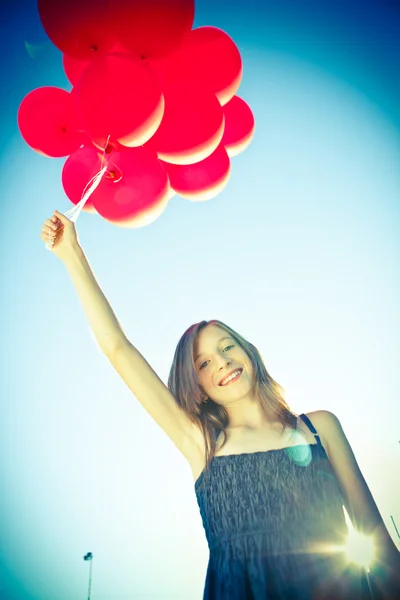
[{"x": 61, "y": 233}]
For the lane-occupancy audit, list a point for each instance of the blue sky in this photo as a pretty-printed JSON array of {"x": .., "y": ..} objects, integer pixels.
[{"x": 299, "y": 253}]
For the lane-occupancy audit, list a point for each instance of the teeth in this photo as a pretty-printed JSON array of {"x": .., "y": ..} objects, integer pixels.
[{"x": 224, "y": 381}]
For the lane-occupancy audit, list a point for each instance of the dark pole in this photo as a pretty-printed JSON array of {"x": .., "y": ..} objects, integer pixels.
[
  {"x": 397, "y": 531},
  {"x": 89, "y": 556}
]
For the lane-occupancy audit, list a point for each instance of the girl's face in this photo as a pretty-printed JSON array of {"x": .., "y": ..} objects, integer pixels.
[{"x": 223, "y": 367}]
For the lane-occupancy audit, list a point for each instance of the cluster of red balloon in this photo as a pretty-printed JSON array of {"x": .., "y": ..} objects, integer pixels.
[{"x": 153, "y": 95}]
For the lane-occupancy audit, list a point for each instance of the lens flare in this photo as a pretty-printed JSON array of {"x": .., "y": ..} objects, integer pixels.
[{"x": 360, "y": 549}]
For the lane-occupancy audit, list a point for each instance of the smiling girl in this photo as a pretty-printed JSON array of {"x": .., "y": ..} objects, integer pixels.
[{"x": 270, "y": 484}]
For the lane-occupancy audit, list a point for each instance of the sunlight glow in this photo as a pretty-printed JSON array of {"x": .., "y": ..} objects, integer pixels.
[{"x": 360, "y": 548}]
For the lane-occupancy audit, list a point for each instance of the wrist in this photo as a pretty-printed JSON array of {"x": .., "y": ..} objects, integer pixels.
[{"x": 72, "y": 255}]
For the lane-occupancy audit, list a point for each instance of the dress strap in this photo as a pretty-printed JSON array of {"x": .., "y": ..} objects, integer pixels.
[{"x": 311, "y": 427}]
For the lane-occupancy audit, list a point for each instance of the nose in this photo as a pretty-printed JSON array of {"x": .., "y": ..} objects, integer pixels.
[{"x": 223, "y": 361}]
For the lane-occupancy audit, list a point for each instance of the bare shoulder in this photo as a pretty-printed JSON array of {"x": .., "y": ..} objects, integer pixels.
[
  {"x": 327, "y": 425},
  {"x": 324, "y": 418}
]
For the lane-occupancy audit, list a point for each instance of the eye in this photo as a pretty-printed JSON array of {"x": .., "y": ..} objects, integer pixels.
[{"x": 204, "y": 364}]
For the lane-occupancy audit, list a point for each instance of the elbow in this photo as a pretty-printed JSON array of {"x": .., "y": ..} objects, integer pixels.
[{"x": 111, "y": 347}]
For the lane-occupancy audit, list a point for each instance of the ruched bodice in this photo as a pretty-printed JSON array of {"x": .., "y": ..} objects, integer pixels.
[{"x": 274, "y": 523}]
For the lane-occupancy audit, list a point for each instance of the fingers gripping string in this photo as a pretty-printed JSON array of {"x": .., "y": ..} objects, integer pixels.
[{"x": 73, "y": 213}]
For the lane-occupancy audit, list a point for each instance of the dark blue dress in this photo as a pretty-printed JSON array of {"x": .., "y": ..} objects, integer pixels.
[{"x": 275, "y": 527}]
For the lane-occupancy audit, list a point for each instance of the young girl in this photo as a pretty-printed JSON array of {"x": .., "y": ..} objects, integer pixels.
[{"x": 270, "y": 484}]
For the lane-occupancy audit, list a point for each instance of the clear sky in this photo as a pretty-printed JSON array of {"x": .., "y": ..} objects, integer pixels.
[{"x": 299, "y": 253}]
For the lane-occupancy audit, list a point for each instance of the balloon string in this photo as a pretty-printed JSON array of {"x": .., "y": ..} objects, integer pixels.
[{"x": 73, "y": 213}]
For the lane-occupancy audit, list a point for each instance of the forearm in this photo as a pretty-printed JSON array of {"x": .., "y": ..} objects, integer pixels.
[
  {"x": 384, "y": 576},
  {"x": 372, "y": 525},
  {"x": 102, "y": 320},
  {"x": 385, "y": 547}
]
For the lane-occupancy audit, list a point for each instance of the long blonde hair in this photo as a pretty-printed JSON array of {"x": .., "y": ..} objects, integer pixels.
[{"x": 211, "y": 417}]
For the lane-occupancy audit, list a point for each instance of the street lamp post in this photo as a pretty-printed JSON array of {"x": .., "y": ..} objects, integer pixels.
[
  {"x": 394, "y": 524},
  {"x": 89, "y": 557}
]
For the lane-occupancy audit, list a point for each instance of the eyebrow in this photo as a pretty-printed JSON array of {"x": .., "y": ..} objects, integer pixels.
[{"x": 226, "y": 337}]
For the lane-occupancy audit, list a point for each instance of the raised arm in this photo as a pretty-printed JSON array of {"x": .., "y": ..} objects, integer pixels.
[{"x": 136, "y": 372}]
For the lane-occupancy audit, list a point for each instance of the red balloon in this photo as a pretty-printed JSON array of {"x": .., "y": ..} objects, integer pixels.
[
  {"x": 203, "y": 180},
  {"x": 133, "y": 192},
  {"x": 77, "y": 172},
  {"x": 152, "y": 28},
  {"x": 110, "y": 147},
  {"x": 239, "y": 126},
  {"x": 80, "y": 28},
  {"x": 48, "y": 122},
  {"x": 192, "y": 125},
  {"x": 74, "y": 67},
  {"x": 209, "y": 56},
  {"x": 119, "y": 99}
]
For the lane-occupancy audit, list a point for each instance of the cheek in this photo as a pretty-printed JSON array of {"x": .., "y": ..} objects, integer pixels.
[{"x": 205, "y": 381}]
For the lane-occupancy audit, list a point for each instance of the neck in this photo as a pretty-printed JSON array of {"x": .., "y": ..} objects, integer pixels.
[{"x": 248, "y": 414}]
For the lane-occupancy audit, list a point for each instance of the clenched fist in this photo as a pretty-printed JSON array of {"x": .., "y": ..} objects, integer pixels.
[{"x": 60, "y": 235}]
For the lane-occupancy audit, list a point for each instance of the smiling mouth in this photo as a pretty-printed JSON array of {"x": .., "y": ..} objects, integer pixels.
[{"x": 231, "y": 378}]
